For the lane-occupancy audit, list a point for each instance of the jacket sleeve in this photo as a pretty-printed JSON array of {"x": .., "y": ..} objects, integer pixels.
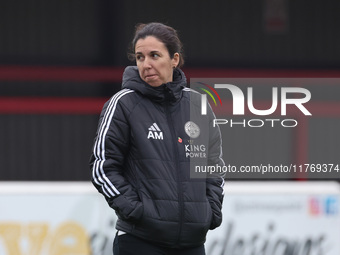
[
  {"x": 107, "y": 161},
  {"x": 215, "y": 181}
]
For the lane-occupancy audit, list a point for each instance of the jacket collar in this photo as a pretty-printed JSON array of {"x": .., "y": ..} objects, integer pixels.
[{"x": 132, "y": 80}]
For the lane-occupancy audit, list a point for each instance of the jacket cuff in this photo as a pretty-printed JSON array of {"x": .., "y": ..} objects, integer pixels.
[{"x": 216, "y": 219}]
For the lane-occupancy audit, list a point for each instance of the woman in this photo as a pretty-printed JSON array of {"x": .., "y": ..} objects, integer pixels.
[{"x": 143, "y": 150}]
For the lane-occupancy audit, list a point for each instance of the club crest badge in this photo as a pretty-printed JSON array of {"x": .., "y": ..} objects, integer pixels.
[{"x": 192, "y": 129}]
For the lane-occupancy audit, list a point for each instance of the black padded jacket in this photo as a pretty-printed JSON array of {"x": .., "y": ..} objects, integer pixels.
[{"x": 148, "y": 141}]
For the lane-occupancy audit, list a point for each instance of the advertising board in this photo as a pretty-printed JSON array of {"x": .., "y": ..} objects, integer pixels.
[{"x": 260, "y": 218}]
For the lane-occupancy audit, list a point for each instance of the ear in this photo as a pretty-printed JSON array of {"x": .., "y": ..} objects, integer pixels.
[{"x": 175, "y": 60}]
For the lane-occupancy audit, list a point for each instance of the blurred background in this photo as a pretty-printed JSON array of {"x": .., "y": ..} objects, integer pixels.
[{"x": 60, "y": 60}]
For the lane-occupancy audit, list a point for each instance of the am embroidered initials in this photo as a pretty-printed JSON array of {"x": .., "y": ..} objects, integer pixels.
[{"x": 155, "y": 132}]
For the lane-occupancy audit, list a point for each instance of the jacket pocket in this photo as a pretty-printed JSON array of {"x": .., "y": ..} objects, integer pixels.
[{"x": 126, "y": 208}]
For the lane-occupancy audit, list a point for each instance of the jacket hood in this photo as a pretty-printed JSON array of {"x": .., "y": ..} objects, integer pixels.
[{"x": 132, "y": 80}]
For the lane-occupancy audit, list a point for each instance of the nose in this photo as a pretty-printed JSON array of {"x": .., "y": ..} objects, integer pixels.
[{"x": 147, "y": 63}]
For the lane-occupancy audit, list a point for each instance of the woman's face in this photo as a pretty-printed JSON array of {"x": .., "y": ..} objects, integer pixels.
[{"x": 153, "y": 61}]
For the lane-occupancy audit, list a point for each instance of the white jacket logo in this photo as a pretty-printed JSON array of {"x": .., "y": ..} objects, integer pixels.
[
  {"x": 192, "y": 129},
  {"x": 155, "y": 132}
]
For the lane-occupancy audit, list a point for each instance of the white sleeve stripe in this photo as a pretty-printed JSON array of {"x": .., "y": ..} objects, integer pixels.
[
  {"x": 96, "y": 150},
  {"x": 99, "y": 177},
  {"x": 98, "y": 173}
]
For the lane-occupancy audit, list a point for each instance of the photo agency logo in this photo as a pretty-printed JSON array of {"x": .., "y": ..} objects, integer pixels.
[{"x": 243, "y": 104}]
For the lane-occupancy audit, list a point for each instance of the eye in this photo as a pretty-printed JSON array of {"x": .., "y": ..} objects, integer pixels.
[
  {"x": 139, "y": 57},
  {"x": 155, "y": 55}
]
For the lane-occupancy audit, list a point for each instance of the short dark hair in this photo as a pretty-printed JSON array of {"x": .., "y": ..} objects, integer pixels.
[{"x": 163, "y": 33}]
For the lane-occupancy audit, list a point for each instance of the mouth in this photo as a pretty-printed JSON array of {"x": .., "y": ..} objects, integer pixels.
[{"x": 150, "y": 76}]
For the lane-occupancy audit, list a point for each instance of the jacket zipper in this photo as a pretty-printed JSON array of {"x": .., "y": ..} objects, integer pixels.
[{"x": 176, "y": 158}]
